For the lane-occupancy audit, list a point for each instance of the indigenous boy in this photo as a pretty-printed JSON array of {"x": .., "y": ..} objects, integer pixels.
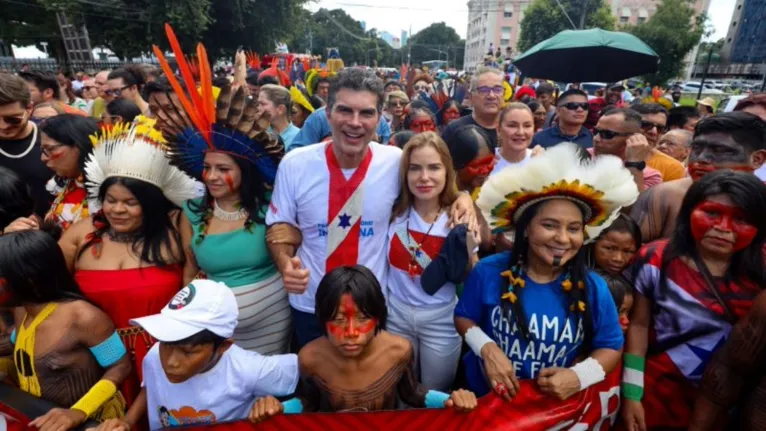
[
  {"x": 65, "y": 350},
  {"x": 357, "y": 365},
  {"x": 195, "y": 375}
]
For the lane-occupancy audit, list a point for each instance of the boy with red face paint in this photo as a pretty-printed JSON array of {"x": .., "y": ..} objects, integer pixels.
[
  {"x": 357, "y": 365},
  {"x": 733, "y": 141},
  {"x": 690, "y": 290}
]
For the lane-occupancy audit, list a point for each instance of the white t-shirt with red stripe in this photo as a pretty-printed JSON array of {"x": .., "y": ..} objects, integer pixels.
[
  {"x": 301, "y": 198},
  {"x": 405, "y": 269}
]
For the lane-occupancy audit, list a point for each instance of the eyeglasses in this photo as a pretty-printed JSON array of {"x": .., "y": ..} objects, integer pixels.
[
  {"x": 117, "y": 92},
  {"x": 486, "y": 91},
  {"x": 609, "y": 134},
  {"x": 648, "y": 125},
  {"x": 572, "y": 106},
  {"x": 13, "y": 121},
  {"x": 48, "y": 151},
  {"x": 396, "y": 104}
]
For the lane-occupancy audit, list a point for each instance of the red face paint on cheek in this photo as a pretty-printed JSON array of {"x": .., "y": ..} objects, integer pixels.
[
  {"x": 229, "y": 180},
  {"x": 709, "y": 215},
  {"x": 354, "y": 323},
  {"x": 624, "y": 321},
  {"x": 698, "y": 170}
]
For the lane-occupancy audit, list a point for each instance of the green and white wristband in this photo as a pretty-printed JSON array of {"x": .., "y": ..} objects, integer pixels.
[{"x": 633, "y": 377}]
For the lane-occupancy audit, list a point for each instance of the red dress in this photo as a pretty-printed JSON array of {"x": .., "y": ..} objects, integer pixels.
[{"x": 125, "y": 294}]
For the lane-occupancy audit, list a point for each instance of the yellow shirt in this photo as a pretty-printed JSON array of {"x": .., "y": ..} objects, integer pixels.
[
  {"x": 99, "y": 107},
  {"x": 670, "y": 168}
]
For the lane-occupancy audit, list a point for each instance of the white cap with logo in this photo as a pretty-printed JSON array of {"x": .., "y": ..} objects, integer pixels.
[{"x": 203, "y": 304}]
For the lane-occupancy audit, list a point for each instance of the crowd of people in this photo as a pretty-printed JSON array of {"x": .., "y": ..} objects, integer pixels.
[{"x": 195, "y": 248}]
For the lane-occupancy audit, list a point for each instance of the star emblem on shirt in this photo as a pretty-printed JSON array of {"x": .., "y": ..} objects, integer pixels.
[
  {"x": 345, "y": 220},
  {"x": 704, "y": 355}
]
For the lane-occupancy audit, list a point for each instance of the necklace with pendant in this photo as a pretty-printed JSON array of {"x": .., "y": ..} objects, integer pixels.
[{"x": 416, "y": 249}]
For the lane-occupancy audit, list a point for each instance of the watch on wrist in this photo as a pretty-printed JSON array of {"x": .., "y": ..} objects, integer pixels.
[{"x": 636, "y": 165}]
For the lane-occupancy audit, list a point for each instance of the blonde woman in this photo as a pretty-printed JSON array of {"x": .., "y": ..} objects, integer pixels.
[{"x": 427, "y": 259}]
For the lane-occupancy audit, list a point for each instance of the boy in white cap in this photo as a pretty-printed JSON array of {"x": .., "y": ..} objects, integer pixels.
[{"x": 195, "y": 375}]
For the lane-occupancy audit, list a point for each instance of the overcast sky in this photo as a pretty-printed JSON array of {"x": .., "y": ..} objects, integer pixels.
[{"x": 397, "y": 15}]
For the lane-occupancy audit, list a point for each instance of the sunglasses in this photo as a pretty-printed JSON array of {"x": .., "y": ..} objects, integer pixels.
[
  {"x": 117, "y": 92},
  {"x": 608, "y": 134},
  {"x": 13, "y": 121},
  {"x": 648, "y": 125},
  {"x": 572, "y": 106}
]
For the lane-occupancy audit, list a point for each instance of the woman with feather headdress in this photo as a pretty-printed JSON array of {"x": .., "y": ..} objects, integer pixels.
[{"x": 225, "y": 145}]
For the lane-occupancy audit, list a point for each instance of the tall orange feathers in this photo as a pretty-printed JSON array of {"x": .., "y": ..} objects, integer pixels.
[
  {"x": 199, "y": 108},
  {"x": 253, "y": 60}
]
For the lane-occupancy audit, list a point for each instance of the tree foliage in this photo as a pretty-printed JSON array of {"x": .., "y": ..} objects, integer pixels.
[
  {"x": 544, "y": 19},
  {"x": 427, "y": 43},
  {"x": 672, "y": 32}
]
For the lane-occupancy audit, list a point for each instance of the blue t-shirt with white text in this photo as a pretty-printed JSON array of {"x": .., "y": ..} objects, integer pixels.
[{"x": 555, "y": 336}]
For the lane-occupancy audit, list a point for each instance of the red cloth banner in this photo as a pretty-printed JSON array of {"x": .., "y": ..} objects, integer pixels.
[{"x": 593, "y": 409}]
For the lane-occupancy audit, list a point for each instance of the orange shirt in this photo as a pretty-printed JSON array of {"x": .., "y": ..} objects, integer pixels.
[{"x": 670, "y": 168}]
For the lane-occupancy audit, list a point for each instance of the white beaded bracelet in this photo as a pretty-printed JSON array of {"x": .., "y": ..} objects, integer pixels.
[
  {"x": 589, "y": 372},
  {"x": 476, "y": 339}
]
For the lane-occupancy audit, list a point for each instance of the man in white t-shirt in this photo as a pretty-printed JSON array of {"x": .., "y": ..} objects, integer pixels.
[
  {"x": 339, "y": 195},
  {"x": 194, "y": 375}
]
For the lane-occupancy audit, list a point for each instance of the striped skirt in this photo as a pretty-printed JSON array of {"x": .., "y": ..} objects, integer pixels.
[{"x": 265, "y": 320}]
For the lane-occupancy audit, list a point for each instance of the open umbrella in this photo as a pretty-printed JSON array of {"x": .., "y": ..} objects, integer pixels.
[{"x": 588, "y": 55}]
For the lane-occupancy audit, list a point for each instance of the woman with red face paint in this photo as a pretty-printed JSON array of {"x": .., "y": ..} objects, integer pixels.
[
  {"x": 225, "y": 144},
  {"x": 427, "y": 259},
  {"x": 419, "y": 118},
  {"x": 690, "y": 290},
  {"x": 472, "y": 157},
  {"x": 357, "y": 365},
  {"x": 448, "y": 113}
]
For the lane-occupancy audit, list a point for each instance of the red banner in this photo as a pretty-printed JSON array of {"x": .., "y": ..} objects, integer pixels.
[{"x": 593, "y": 409}]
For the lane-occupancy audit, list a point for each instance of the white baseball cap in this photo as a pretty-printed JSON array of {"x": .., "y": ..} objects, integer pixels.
[{"x": 203, "y": 304}]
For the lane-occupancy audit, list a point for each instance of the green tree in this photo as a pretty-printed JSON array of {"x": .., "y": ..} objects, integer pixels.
[
  {"x": 544, "y": 18},
  {"x": 672, "y": 32},
  {"x": 427, "y": 43}
]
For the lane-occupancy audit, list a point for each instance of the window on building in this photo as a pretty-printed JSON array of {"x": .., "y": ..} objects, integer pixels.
[
  {"x": 505, "y": 42},
  {"x": 624, "y": 20},
  {"x": 641, "y": 20},
  {"x": 508, "y": 10},
  {"x": 734, "y": 23}
]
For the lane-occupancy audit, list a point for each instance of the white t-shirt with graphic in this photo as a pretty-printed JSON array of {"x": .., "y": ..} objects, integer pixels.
[
  {"x": 404, "y": 281},
  {"x": 224, "y": 393},
  {"x": 300, "y": 198},
  {"x": 501, "y": 163}
]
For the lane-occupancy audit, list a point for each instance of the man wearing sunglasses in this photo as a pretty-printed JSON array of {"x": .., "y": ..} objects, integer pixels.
[
  {"x": 20, "y": 140},
  {"x": 734, "y": 140},
  {"x": 618, "y": 133},
  {"x": 654, "y": 120},
  {"x": 572, "y": 111},
  {"x": 486, "y": 96}
]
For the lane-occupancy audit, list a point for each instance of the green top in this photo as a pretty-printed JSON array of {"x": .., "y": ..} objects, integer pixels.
[{"x": 237, "y": 258}]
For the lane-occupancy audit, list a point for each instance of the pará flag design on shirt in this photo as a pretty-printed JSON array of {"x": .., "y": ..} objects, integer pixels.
[
  {"x": 404, "y": 244},
  {"x": 689, "y": 324}
]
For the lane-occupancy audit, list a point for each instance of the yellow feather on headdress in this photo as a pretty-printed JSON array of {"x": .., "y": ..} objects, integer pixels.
[{"x": 297, "y": 96}]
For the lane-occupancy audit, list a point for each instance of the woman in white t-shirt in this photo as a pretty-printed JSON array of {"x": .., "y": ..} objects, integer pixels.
[
  {"x": 514, "y": 134},
  {"x": 427, "y": 259}
]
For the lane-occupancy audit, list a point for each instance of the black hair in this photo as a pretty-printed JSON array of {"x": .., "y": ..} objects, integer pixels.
[
  {"x": 533, "y": 104},
  {"x": 161, "y": 85},
  {"x": 252, "y": 194},
  {"x": 544, "y": 88},
  {"x": 745, "y": 128},
  {"x": 315, "y": 101},
  {"x": 125, "y": 109},
  {"x": 202, "y": 337},
  {"x": 73, "y": 131},
  {"x": 320, "y": 79},
  {"x": 356, "y": 79},
  {"x": 417, "y": 106},
  {"x": 464, "y": 144},
  {"x": 402, "y": 137},
  {"x": 747, "y": 192},
  {"x": 392, "y": 82},
  {"x": 268, "y": 79},
  {"x": 252, "y": 77},
  {"x": 361, "y": 284},
  {"x": 158, "y": 232},
  {"x": 650, "y": 108},
  {"x": 43, "y": 82},
  {"x": 623, "y": 223},
  {"x": 571, "y": 92},
  {"x": 576, "y": 268},
  {"x": 629, "y": 115},
  {"x": 680, "y": 115},
  {"x": 618, "y": 286},
  {"x": 131, "y": 75},
  {"x": 34, "y": 269},
  {"x": 221, "y": 81},
  {"x": 15, "y": 198}
]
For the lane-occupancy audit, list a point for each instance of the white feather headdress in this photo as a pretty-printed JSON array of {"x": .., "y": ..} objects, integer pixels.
[
  {"x": 601, "y": 187},
  {"x": 135, "y": 151}
]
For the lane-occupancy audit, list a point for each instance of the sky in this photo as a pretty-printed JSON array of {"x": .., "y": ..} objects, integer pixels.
[{"x": 397, "y": 15}]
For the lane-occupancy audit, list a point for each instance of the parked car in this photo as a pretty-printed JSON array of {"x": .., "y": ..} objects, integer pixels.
[
  {"x": 728, "y": 103},
  {"x": 694, "y": 87}
]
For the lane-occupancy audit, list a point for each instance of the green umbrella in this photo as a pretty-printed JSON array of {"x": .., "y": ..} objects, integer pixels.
[{"x": 588, "y": 55}]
